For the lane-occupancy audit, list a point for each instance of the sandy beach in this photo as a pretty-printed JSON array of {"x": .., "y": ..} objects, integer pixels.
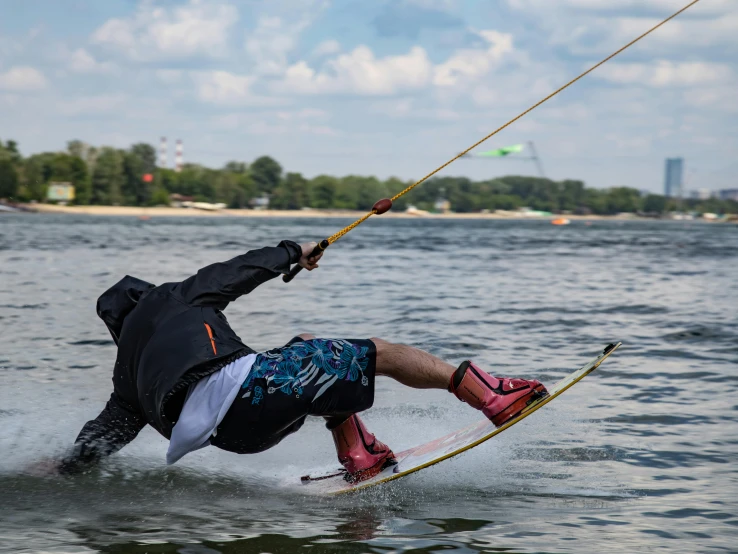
[{"x": 132, "y": 211}]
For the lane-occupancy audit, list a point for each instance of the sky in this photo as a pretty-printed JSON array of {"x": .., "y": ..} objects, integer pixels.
[{"x": 384, "y": 88}]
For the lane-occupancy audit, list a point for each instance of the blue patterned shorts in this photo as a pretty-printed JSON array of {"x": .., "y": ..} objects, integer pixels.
[{"x": 320, "y": 377}]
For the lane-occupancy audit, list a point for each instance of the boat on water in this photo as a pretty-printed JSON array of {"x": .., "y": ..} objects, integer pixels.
[{"x": 560, "y": 221}]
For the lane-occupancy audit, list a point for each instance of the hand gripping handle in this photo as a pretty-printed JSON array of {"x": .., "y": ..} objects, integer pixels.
[{"x": 322, "y": 245}]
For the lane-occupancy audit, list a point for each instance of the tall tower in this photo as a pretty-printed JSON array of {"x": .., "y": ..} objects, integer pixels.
[
  {"x": 178, "y": 158},
  {"x": 673, "y": 177},
  {"x": 163, "y": 152}
]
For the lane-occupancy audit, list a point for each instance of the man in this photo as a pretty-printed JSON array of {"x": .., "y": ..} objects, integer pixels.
[{"x": 181, "y": 369}]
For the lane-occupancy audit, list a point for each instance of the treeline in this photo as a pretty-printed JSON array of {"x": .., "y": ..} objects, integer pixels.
[{"x": 111, "y": 176}]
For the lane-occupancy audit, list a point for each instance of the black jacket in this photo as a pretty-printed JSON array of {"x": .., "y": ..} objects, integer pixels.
[{"x": 168, "y": 337}]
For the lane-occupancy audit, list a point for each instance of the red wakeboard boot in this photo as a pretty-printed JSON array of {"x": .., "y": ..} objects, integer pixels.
[
  {"x": 500, "y": 399},
  {"x": 360, "y": 453}
]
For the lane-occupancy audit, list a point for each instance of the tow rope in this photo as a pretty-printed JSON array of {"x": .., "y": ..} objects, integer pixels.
[{"x": 384, "y": 205}]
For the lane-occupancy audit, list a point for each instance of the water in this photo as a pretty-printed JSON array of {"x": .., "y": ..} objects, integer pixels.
[{"x": 639, "y": 457}]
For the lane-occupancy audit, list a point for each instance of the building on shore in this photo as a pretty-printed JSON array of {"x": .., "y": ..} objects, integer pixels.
[
  {"x": 673, "y": 178},
  {"x": 701, "y": 194},
  {"x": 728, "y": 194},
  {"x": 60, "y": 192}
]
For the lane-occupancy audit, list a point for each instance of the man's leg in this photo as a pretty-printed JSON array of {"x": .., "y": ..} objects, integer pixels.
[
  {"x": 500, "y": 399},
  {"x": 412, "y": 367}
]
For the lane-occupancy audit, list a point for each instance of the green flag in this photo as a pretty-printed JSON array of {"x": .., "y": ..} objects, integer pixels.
[{"x": 501, "y": 152}]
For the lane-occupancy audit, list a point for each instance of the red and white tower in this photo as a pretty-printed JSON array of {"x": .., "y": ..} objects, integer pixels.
[
  {"x": 178, "y": 159},
  {"x": 163, "y": 152}
]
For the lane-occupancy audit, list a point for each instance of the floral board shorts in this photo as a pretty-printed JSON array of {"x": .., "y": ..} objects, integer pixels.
[{"x": 319, "y": 377}]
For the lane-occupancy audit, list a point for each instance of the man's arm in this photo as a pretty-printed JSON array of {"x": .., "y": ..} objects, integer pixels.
[
  {"x": 116, "y": 426},
  {"x": 220, "y": 283}
]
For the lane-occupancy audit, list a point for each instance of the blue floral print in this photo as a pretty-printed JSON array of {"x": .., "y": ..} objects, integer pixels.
[{"x": 289, "y": 369}]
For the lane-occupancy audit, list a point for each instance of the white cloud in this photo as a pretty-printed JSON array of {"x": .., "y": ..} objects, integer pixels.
[
  {"x": 271, "y": 42},
  {"x": 222, "y": 87},
  {"x": 81, "y": 61},
  {"x": 327, "y": 47},
  {"x": 714, "y": 6},
  {"x": 91, "y": 105},
  {"x": 275, "y": 123},
  {"x": 197, "y": 28},
  {"x": 666, "y": 74},
  {"x": 717, "y": 98},
  {"x": 169, "y": 76},
  {"x": 595, "y": 32},
  {"x": 470, "y": 63},
  {"x": 360, "y": 72},
  {"x": 305, "y": 113},
  {"x": 22, "y": 78},
  {"x": 265, "y": 128}
]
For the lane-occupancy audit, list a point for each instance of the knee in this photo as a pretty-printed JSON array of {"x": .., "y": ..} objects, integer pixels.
[
  {"x": 381, "y": 344},
  {"x": 306, "y": 336}
]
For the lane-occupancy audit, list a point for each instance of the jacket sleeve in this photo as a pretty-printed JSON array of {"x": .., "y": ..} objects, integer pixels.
[
  {"x": 116, "y": 426},
  {"x": 218, "y": 284}
]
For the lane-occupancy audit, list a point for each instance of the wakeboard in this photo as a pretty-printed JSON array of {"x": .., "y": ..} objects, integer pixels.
[{"x": 428, "y": 454}]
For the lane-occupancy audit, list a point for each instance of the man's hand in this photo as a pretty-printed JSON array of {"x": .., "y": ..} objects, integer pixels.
[{"x": 306, "y": 262}]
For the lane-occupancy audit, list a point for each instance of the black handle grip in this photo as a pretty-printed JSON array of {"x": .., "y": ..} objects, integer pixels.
[
  {"x": 291, "y": 275},
  {"x": 322, "y": 245}
]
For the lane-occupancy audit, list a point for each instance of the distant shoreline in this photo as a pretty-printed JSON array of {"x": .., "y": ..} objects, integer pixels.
[{"x": 132, "y": 211}]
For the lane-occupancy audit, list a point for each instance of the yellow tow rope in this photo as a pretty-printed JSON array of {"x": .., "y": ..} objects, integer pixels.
[{"x": 384, "y": 205}]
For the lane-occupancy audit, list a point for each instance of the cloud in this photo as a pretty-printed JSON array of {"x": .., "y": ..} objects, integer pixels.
[
  {"x": 410, "y": 18},
  {"x": 327, "y": 47},
  {"x": 360, "y": 72},
  {"x": 198, "y": 28},
  {"x": 592, "y": 31},
  {"x": 305, "y": 113},
  {"x": 222, "y": 87},
  {"x": 276, "y": 123},
  {"x": 271, "y": 41},
  {"x": 81, "y": 61},
  {"x": 92, "y": 105},
  {"x": 666, "y": 74},
  {"x": 717, "y": 98},
  {"x": 714, "y": 6},
  {"x": 169, "y": 76},
  {"x": 22, "y": 78},
  {"x": 472, "y": 63}
]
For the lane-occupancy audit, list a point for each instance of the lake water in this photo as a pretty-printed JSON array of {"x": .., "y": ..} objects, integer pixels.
[{"x": 641, "y": 456}]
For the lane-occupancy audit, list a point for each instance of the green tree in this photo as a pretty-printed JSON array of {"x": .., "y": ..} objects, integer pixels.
[
  {"x": 622, "y": 199},
  {"x": 571, "y": 195},
  {"x": 169, "y": 181},
  {"x": 230, "y": 189},
  {"x": 108, "y": 177},
  {"x": 393, "y": 185},
  {"x": 292, "y": 194},
  {"x": 368, "y": 191},
  {"x": 235, "y": 167},
  {"x": 654, "y": 203},
  {"x": 266, "y": 173},
  {"x": 10, "y": 151},
  {"x": 35, "y": 177},
  {"x": 140, "y": 160},
  {"x": 8, "y": 179},
  {"x": 323, "y": 188},
  {"x": 82, "y": 181}
]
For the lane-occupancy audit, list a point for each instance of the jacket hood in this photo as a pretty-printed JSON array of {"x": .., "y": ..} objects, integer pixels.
[{"x": 118, "y": 301}]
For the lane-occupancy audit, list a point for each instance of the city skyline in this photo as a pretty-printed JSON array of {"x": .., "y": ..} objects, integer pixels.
[{"x": 382, "y": 89}]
